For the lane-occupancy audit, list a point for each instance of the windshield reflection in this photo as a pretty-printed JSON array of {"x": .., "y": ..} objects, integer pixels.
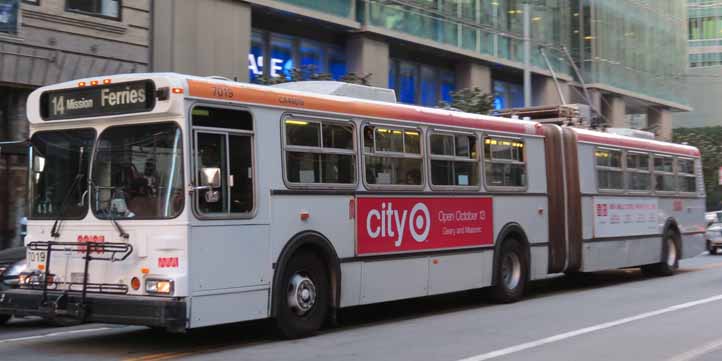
[
  {"x": 58, "y": 172},
  {"x": 137, "y": 172}
]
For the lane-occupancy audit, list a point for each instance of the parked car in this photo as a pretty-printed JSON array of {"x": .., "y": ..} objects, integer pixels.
[
  {"x": 713, "y": 217},
  {"x": 12, "y": 263},
  {"x": 714, "y": 237}
]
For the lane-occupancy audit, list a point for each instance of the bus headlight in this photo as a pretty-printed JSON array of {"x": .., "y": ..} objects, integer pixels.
[
  {"x": 11, "y": 276},
  {"x": 159, "y": 287}
]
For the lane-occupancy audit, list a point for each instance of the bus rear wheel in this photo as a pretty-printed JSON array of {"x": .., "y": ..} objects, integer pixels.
[
  {"x": 303, "y": 296},
  {"x": 511, "y": 273},
  {"x": 670, "y": 257}
]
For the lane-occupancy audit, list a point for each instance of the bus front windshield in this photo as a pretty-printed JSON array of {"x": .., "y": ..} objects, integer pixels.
[
  {"x": 58, "y": 173},
  {"x": 137, "y": 172}
]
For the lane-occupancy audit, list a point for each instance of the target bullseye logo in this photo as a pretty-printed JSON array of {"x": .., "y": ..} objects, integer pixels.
[
  {"x": 420, "y": 220},
  {"x": 390, "y": 222}
]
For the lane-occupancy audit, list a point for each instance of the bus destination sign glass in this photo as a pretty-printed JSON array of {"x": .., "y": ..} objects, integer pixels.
[{"x": 93, "y": 101}]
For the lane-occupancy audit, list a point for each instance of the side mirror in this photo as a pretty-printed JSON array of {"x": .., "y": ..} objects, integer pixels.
[
  {"x": 38, "y": 164},
  {"x": 211, "y": 177}
]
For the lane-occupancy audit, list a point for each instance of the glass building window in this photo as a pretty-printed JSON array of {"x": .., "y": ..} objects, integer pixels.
[
  {"x": 104, "y": 8},
  {"x": 289, "y": 54},
  {"x": 9, "y": 11},
  {"x": 508, "y": 95},
  {"x": 421, "y": 84}
]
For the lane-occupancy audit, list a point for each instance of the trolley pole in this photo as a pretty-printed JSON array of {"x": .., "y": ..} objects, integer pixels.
[{"x": 526, "y": 8}]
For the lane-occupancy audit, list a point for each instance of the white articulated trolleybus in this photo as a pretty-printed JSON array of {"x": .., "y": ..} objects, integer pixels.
[{"x": 179, "y": 202}]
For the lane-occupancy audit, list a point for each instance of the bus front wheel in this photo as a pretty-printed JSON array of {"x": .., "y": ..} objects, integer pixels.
[
  {"x": 303, "y": 296},
  {"x": 4, "y": 319},
  {"x": 511, "y": 273}
]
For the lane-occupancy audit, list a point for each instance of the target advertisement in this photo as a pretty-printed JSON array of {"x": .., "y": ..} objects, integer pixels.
[
  {"x": 397, "y": 225},
  {"x": 625, "y": 216}
]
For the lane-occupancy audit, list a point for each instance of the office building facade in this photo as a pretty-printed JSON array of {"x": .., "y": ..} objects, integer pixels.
[
  {"x": 631, "y": 53},
  {"x": 704, "y": 76}
]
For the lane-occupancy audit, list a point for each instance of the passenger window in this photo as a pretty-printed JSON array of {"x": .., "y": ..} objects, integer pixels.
[
  {"x": 229, "y": 154},
  {"x": 639, "y": 177},
  {"x": 454, "y": 160},
  {"x": 393, "y": 156},
  {"x": 609, "y": 169},
  {"x": 664, "y": 179},
  {"x": 504, "y": 162},
  {"x": 319, "y": 152},
  {"x": 686, "y": 177}
]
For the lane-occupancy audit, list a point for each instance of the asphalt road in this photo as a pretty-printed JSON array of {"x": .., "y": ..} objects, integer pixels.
[{"x": 614, "y": 315}]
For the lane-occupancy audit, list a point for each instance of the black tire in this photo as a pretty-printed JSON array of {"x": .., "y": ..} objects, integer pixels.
[
  {"x": 4, "y": 319},
  {"x": 293, "y": 321},
  {"x": 712, "y": 250},
  {"x": 511, "y": 273},
  {"x": 670, "y": 257}
]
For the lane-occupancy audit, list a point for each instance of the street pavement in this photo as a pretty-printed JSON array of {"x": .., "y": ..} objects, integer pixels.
[{"x": 612, "y": 315}]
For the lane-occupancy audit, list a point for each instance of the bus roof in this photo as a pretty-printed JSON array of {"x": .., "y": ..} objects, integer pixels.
[
  {"x": 278, "y": 97},
  {"x": 615, "y": 140}
]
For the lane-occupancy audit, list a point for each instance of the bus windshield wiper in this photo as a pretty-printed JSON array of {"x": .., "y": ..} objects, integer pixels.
[
  {"x": 118, "y": 228},
  {"x": 55, "y": 231},
  {"x": 109, "y": 212}
]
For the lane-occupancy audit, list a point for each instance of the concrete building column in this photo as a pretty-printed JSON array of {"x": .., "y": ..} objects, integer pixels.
[
  {"x": 202, "y": 37},
  {"x": 545, "y": 91},
  {"x": 615, "y": 110},
  {"x": 472, "y": 75},
  {"x": 369, "y": 56},
  {"x": 659, "y": 120}
]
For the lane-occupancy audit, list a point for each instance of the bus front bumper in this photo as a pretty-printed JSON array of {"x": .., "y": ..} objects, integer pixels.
[{"x": 168, "y": 313}]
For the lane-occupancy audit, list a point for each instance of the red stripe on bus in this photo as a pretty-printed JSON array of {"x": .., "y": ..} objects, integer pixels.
[
  {"x": 643, "y": 144},
  {"x": 282, "y": 98}
]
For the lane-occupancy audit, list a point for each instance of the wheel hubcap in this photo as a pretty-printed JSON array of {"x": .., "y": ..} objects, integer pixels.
[
  {"x": 671, "y": 253},
  {"x": 511, "y": 271},
  {"x": 301, "y": 294}
]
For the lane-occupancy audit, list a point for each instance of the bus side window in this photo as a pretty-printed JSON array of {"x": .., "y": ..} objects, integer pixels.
[
  {"x": 639, "y": 177},
  {"x": 504, "y": 162},
  {"x": 454, "y": 160},
  {"x": 610, "y": 171},
  {"x": 225, "y": 143},
  {"x": 393, "y": 156},
  {"x": 686, "y": 178},
  {"x": 319, "y": 152},
  {"x": 664, "y": 180}
]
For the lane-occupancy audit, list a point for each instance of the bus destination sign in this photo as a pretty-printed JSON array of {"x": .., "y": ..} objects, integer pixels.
[{"x": 93, "y": 101}]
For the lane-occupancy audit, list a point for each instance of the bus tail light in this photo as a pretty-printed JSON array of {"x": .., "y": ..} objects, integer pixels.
[
  {"x": 177, "y": 90},
  {"x": 135, "y": 283},
  {"x": 93, "y": 82},
  {"x": 106, "y": 81},
  {"x": 81, "y": 84},
  {"x": 159, "y": 287}
]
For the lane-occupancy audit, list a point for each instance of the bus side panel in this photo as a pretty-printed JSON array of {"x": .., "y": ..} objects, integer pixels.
[
  {"x": 229, "y": 273},
  {"x": 394, "y": 279},
  {"x": 621, "y": 253},
  {"x": 209, "y": 310}
]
